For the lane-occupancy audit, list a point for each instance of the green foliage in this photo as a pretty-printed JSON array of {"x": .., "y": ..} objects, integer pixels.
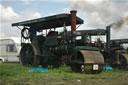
[{"x": 14, "y": 74}]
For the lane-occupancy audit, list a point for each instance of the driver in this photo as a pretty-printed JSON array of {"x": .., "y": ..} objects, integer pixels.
[{"x": 32, "y": 33}]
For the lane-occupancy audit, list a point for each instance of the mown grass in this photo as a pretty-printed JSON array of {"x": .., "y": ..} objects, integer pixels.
[{"x": 14, "y": 74}]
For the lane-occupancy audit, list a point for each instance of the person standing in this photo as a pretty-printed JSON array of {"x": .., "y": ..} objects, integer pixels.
[{"x": 32, "y": 33}]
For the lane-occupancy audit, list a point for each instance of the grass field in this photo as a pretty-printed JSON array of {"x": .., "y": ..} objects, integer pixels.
[{"x": 14, "y": 74}]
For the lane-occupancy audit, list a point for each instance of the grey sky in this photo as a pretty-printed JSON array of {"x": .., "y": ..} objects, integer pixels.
[{"x": 96, "y": 14}]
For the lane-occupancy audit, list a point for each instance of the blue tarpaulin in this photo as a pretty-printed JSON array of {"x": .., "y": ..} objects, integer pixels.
[
  {"x": 38, "y": 69},
  {"x": 108, "y": 68}
]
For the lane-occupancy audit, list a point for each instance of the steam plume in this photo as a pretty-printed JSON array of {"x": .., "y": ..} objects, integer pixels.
[{"x": 101, "y": 13}]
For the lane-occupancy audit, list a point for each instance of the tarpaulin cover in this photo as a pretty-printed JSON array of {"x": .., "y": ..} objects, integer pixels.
[
  {"x": 38, "y": 69},
  {"x": 108, "y": 68}
]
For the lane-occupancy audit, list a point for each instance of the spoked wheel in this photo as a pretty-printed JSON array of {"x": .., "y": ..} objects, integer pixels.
[{"x": 29, "y": 55}]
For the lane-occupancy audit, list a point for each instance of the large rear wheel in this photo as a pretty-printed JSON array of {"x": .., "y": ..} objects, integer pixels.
[{"x": 29, "y": 55}]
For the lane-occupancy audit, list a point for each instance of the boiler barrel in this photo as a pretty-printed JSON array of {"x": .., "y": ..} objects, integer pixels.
[{"x": 61, "y": 50}]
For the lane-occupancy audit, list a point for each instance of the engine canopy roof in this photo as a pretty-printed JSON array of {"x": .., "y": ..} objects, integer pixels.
[{"x": 49, "y": 22}]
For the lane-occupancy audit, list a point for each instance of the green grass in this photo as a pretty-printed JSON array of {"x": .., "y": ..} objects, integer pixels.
[{"x": 14, "y": 74}]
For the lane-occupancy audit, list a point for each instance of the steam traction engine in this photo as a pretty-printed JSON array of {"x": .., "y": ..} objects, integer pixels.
[
  {"x": 113, "y": 51},
  {"x": 43, "y": 45}
]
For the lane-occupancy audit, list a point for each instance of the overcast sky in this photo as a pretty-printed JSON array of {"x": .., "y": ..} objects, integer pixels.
[{"x": 96, "y": 14}]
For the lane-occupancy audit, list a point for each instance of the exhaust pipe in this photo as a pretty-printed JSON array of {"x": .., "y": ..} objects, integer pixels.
[
  {"x": 108, "y": 36},
  {"x": 73, "y": 22}
]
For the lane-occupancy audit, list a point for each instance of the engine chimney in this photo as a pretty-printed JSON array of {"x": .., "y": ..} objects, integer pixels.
[
  {"x": 73, "y": 21},
  {"x": 108, "y": 36}
]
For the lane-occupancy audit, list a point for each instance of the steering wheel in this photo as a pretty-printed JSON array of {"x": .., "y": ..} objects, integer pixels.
[{"x": 25, "y": 33}]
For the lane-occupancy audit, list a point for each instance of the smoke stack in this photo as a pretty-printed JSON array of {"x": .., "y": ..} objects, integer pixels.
[
  {"x": 108, "y": 35},
  {"x": 73, "y": 21}
]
